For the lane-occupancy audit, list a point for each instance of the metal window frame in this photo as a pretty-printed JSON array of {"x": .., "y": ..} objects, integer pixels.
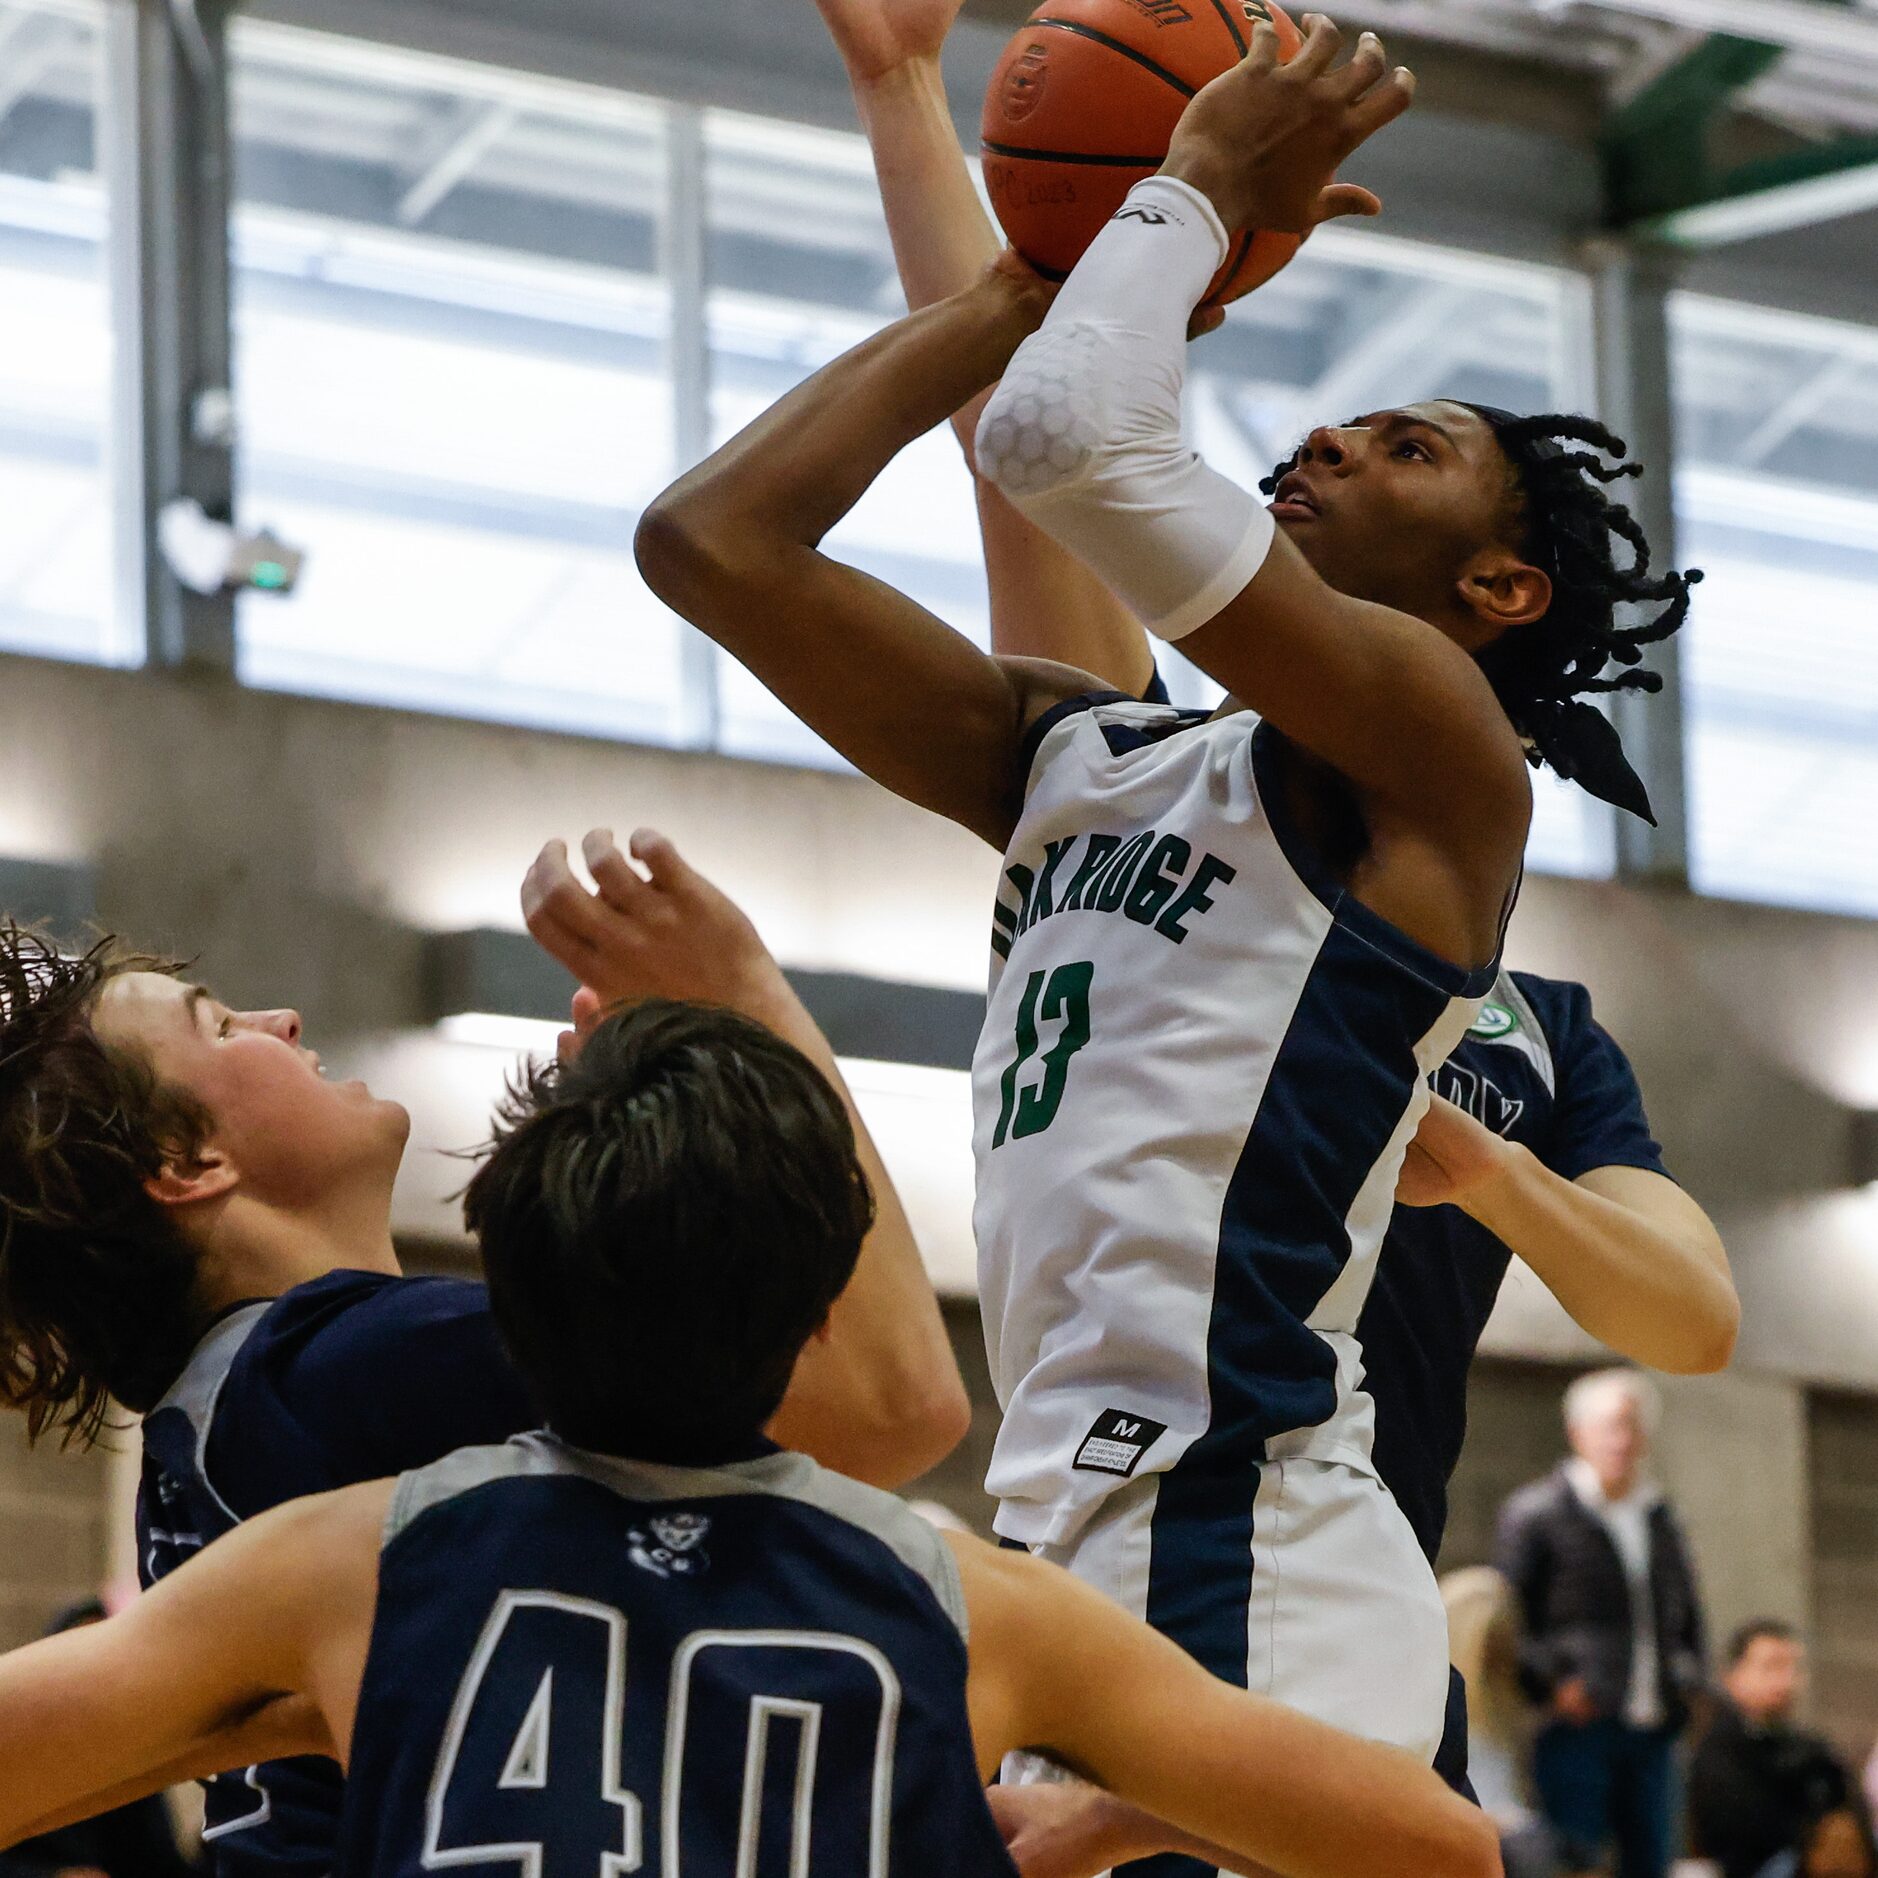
[
  {"x": 163, "y": 124},
  {"x": 164, "y": 141}
]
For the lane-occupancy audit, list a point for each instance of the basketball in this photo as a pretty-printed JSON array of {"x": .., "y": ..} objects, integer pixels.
[{"x": 1083, "y": 105}]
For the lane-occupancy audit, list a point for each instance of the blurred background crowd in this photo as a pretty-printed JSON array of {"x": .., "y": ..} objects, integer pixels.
[{"x": 1608, "y": 1734}]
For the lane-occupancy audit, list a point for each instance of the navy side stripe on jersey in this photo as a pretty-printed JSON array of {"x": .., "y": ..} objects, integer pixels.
[
  {"x": 1362, "y": 922},
  {"x": 1345, "y": 1073}
]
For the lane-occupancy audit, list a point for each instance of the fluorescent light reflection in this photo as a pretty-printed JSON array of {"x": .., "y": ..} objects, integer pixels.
[
  {"x": 494, "y": 1030},
  {"x": 920, "y": 1118}
]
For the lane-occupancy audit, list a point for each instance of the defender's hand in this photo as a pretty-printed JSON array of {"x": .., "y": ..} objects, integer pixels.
[
  {"x": 1451, "y": 1156},
  {"x": 664, "y": 933},
  {"x": 1263, "y": 140},
  {"x": 1065, "y": 1829},
  {"x": 583, "y": 1014},
  {"x": 878, "y": 37}
]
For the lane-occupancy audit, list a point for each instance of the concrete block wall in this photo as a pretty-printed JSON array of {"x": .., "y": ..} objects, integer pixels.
[{"x": 54, "y": 1531}]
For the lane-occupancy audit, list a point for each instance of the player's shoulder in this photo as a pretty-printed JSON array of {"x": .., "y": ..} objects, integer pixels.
[
  {"x": 314, "y": 1534},
  {"x": 332, "y": 1308},
  {"x": 1561, "y": 1005},
  {"x": 1564, "y": 1012},
  {"x": 1006, "y": 1589},
  {"x": 914, "y": 1541}
]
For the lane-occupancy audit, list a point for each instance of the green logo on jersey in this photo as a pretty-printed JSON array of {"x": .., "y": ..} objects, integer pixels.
[{"x": 1495, "y": 1020}]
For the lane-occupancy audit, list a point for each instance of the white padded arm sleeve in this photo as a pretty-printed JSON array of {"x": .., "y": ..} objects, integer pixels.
[{"x": 1084, "y": 433}]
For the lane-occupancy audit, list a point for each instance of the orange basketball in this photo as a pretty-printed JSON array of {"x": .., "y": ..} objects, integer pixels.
[{"x": 1082, "y": 107}]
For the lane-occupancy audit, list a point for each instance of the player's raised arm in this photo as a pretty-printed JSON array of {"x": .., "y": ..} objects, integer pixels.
[
  {"x": 252, "y": 1650},
  {"x": 1044, "y": 603},
  {"x": 1058, "y": 1668},
  {"x": 880, "y": 1398},
  {"x": 1394, "y": 704},
  {"x": 735, "y": 546}
]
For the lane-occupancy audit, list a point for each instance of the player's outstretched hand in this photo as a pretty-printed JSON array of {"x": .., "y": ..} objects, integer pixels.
[
  {"x": 1451, "y": 1157},
  {"x": 1069, "y": 1829},
  {"x": 1062, "y": 1829},
  {"x": 666, "y": 932},
  {"x": 879, "y": 37},
  {"x": 1263, "y": 140}
]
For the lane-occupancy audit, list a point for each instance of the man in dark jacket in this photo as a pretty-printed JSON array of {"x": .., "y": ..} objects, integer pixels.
[
  {"x": 1756, "y": 1780},
  {"x": 1613, "y": 1648}
]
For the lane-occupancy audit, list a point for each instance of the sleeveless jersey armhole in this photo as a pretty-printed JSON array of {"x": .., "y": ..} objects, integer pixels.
[
  {"x": 1059, "y": 714},
  {"x": 1387, "y": 938}
]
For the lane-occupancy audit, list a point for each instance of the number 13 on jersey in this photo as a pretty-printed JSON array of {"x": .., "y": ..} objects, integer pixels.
[{"x": 1057, "y": 997}]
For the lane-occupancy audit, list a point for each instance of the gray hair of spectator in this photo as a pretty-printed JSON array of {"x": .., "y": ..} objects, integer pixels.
[{"x": 1585, "y": 1395}]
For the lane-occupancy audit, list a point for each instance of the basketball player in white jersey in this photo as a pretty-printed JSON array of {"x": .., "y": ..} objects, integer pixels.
[
  {"x": 1544, "y": 1141},
  {"x": 1228, "y": 953}
]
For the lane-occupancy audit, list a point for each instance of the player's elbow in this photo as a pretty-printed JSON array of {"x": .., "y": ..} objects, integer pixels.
[
  {"x": 912, "y": 1431},
  {"x": 1477, "y": 1853},
  {"x": 1709, "y": 1332},
  {"x": 685, "y": 546},
  {"x": 935, "y": 1424},
  {"x": 1039, "y": 436},
  {"x": 1462, "y": 1842}
]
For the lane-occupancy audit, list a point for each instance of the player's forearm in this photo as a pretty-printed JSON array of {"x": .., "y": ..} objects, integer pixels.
[
  {"x": 1124, "y": 1832},
  {"x": 287, "y": 1728},
  {"x": 1349, "y": 1807},
  {"x": 881, "y": 1398},
  {"x": 1044, "y": 603},
  {"x": 1655, "y": 1291},
  {"x": 789, "y": 477},
  {"x": 942, "y": 237}
]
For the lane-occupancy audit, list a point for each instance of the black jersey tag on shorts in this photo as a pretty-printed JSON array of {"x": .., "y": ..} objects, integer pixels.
[{"x": 1117, "y": 1442}]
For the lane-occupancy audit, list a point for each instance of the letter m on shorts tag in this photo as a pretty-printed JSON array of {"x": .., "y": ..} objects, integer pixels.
[{"x": 1117, "y": 1442}]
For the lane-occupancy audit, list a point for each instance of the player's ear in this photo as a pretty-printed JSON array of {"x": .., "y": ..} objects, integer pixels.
[
  {"x": 1501, "y": 590},
  {"x": 190, "y": 1179}
]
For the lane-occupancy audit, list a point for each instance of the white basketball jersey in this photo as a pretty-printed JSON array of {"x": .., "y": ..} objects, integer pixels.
[{"x": 1201, "y": 1067}]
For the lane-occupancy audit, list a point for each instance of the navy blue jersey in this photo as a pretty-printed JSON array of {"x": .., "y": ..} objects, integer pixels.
[
  {"x": 1537, "y": 1069},
  {"x": 587, "y": 1665},
  {"x": 349, "y": 1378}
]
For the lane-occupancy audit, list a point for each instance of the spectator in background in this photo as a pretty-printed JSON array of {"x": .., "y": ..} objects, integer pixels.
[
  {"x": 1483, "y": 1645},
  {"x": 1757, "y": 1779},
  {"x": 1837, "y": 1844},
  {"x": 135, "y": 1841},
  {"x": 1613, "y": 1645}
]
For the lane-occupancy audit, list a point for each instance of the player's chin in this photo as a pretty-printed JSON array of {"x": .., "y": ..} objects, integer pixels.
[
  {"x": 390, "y": 1121},
  {"x": 1313, "y": 534}
]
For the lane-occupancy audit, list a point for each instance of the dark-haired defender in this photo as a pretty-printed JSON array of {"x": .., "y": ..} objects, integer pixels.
[
  {"x": 205, "y": 1237},
  {"x": 647, "y": 1639},
  {"x": 1230, "y": 952}
]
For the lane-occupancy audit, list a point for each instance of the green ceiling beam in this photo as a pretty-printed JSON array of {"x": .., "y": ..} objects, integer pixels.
[
  {"x": 1662, "y": 185},
  {"x": 1656, "y": 147},
  {"x": 1797, "y": 190}
]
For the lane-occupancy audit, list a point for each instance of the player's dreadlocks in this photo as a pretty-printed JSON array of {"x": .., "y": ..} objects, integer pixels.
[{"x": 1570, "y": 528}]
